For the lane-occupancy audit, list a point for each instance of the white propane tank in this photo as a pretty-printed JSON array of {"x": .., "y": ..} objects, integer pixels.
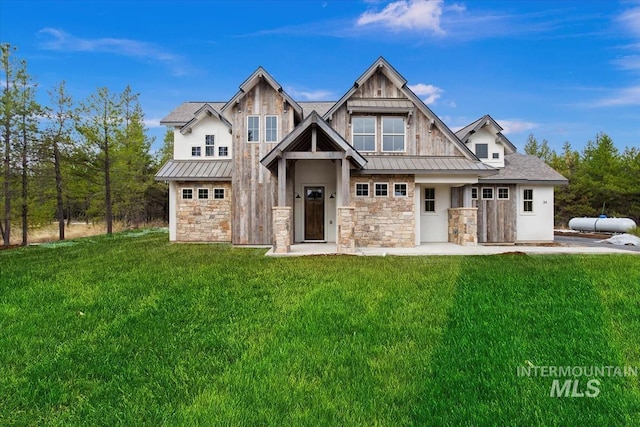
[{"x": 608, "y": 225}]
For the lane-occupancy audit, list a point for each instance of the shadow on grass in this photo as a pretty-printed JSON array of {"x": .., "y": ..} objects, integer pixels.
[{"x": 539, "y": 310}]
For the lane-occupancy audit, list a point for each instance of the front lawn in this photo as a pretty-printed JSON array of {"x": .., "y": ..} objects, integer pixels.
[{"x": 133, "y": 330}]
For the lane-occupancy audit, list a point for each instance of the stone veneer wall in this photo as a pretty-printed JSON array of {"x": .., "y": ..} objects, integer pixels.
[
  {"x": 282, "y": 224},
  {"x": 203, "y": 220},
  {"x": 384, "y": 221},
  {"x": 463, "y": 226},
  {"x": 346, "y": 242}
]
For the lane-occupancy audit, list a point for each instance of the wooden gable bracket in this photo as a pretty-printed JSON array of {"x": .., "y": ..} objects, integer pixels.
[
  {"x": 409, "y": 117},
  {"x": 432, "y": 124}
]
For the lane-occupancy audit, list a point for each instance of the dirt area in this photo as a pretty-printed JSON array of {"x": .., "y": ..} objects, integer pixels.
[{"x": 586, "y": 235}]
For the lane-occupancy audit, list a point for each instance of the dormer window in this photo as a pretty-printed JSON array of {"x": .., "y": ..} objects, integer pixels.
[
  {"x": 393, "y": 133},
  {"x": 482, "y": 151},
  {"x": 496, "y": 155}
]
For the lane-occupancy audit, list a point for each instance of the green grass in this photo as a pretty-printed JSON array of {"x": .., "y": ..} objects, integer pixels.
[{"x": 133, "y": 330}]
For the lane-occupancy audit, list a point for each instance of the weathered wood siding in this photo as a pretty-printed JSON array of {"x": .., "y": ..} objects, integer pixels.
[
  {"x": 254, "y": 187},
  {"x": 496, "y": 218},
  {"x": 420, "y": 137}
]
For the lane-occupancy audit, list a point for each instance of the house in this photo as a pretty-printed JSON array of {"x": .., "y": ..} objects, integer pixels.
[{"x": 375, "y": 168}]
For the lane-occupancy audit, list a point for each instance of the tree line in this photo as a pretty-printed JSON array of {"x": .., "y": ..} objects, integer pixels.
[
  {"x": 602, "y": 180},
  {"x": 74, "y": 160}
]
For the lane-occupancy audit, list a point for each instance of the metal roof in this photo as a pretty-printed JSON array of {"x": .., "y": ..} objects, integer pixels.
[
  {"x": 519, "y": 168},
  {"x": 425, "y": 165},
  {"x": 195, "y": 170},
  {"x": 185, "y": 112},
  {"x": 375, "y": 105}
]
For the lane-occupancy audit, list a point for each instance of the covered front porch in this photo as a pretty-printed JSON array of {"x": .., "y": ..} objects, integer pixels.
[{"x": 313, "y": 167}]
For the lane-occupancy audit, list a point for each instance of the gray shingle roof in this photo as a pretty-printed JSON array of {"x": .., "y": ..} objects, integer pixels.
[
  {"x": 425, "y": 165},
  {"x": 519, "y": 168},
  {"x": 195, "y": 170},
  {"x": 320, "y": 107},
  {"x": 185, "y": 111}
]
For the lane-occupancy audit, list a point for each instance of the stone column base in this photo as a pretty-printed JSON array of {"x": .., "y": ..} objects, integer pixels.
[
  {"x": 346, "y": 243},
  {"x": 281, "y": 229},
  {"x": 463, "y": 226}
]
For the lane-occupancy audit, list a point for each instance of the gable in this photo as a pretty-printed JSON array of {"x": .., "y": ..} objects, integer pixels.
[{"x": 382, "y": 91}]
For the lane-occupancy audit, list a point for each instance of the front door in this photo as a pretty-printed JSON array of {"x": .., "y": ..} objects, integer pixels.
[{"x": 314, "y": 213}]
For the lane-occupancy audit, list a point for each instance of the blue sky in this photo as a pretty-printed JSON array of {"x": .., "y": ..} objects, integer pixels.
[{"x": 562, "y": 70}]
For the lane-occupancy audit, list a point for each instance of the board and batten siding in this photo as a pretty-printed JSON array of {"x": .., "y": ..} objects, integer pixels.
[
  {"x": 255, "y": 188},
  {"x": 497, "y": 218},
  {"x": 421, "y": 138}
]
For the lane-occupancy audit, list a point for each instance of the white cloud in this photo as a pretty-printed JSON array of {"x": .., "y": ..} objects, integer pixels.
[
  {"x": 621, "y": 97},
  {"x": 413, "y": 15},
  {"x": 631, "y": 20},
  {"x": 516, "y": 125},
  {"x": 630, "y": 62},
  {"x": 153, "y": 123},
  {"x": 431, "y": 92},
  {"x": 310, "y": 95},
  {"x": 59, "y": 40}
]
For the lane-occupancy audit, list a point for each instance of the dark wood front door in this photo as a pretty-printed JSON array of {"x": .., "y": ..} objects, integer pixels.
[{"x": 314, "y": 213}]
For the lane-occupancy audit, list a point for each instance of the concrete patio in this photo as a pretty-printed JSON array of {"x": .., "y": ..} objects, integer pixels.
[{"x": 306, "y": 249}]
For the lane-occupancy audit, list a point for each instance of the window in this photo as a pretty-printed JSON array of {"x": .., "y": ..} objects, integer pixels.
[
  {"x": 218, "y": 193},
  {"x": 503, "y": 193},
  {"x": 203, "y": 193},
  {"x": 482, "y": 151},
  {"x": 487, "y": 193},
  {"x": 271, "y": 128},
  {"x": 474, "y": 193},
  {"x": 364, "y": 133},
  {"x": 362, "y": 190},
  {"x": 429, "y": 199},
  {"x": 400, "y": 190},
  {"x": 496, "y": 155},
  {"x": 196, "y": 151},
  {"x": 392, "y": 134},
  {"x": 382, "y": 189},
  {"x": 223, "y": 151},
  {"x": 253, "y": 129},
  {"x": 209, "y": 145},
  {"x": 528, "y": 200},
  {"x": 187, "y": 193}
]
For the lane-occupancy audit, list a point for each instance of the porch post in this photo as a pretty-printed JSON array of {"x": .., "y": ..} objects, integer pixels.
[
  {"x": 346, "y": 243},
  {"x": 346, "y": 178},
  {"x": 282, "y": 181}
]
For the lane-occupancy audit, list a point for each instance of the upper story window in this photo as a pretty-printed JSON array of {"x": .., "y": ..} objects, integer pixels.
[
  {"x": 271, "y": 128},
  {"x": 393, "y": 133},
  {"x": 364, "y": 133},
  {"x": 223, "y": 151},
  {"x": 209, "y": 147},
  {"x": 196, "y": 151},
  {"x": 482, "y": 151},
  {"x": 253, "y": 128}
]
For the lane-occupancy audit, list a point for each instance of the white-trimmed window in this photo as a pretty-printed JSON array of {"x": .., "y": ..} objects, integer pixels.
[
  {"x": 218, "y": 193},
  {"x": 196, "y": 151},
  {"x": 203, "y": 193},
  {"x": 474, "y": 193},
  {"x": 496, "y": 155},
  {"x": 393, "y": 133},
  {"x": 482, "y": 151},
  {"x": 271, "y": 128},
  {"x": 362, "y": 189},
  {"x": 187, "y": 193},
  {"x": 487, "y": 193},
  {"x": 381, "y": 189},
  {"x": 503, "y": 193},
  {"x": 527, "y": 199},
  {"x": 253, "y": 128},
  {"x": 223, "y": 151},
  {"x": 400, "y": 190},
  {"x": 363, "y": 130},
  {"x": 209, "y": 145},
  {"x": 430, "y": 200}
]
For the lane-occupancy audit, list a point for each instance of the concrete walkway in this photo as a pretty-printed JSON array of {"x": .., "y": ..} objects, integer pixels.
[{"x": 304, "y": 249}]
